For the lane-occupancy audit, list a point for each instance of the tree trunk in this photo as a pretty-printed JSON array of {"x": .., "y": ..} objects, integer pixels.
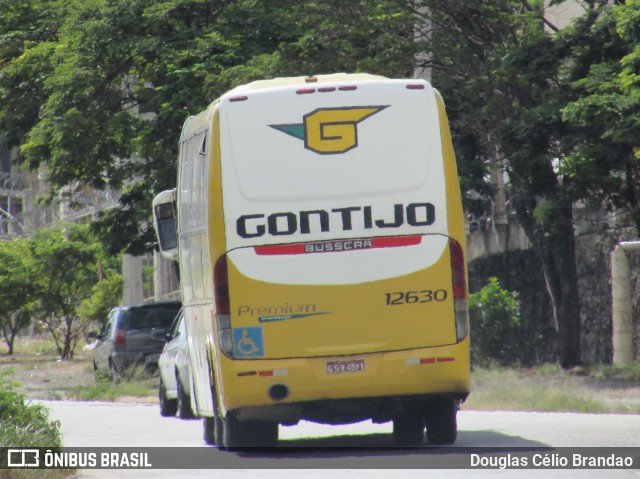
[{"x": 556, "y": 251}]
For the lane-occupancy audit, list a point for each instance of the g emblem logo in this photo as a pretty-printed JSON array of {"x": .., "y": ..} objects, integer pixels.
[{"x": 330, "y": 130}]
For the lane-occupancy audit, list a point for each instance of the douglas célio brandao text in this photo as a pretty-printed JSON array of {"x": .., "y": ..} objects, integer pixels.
[{"x": 551, "y": 461}]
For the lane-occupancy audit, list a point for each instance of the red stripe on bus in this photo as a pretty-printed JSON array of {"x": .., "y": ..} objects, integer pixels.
[{"x": 300, "y": 248}]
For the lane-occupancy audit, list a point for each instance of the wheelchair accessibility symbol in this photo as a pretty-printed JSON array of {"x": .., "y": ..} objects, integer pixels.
[{"x": 247, "y": 342}]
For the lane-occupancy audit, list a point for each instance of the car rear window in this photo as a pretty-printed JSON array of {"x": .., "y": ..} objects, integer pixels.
[{"x": 149, "y": 316}]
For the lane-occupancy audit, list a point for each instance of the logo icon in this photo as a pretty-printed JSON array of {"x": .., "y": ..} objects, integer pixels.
[
  {"x": 248, "y": 342},
  {"x": 23, "y": 458},
  {"x": 329, "y": 131}
]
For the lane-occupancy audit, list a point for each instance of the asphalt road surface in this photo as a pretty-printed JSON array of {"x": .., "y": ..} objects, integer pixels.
[{"x": 312, "y": 451}]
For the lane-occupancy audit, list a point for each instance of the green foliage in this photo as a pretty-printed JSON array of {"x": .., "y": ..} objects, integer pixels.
[
  {"x": 22, "y": 424},
  {"x": 17, "y": 288},
  {"x": 495, "y": 325},
  {"x": 62, "y": 275},
  {"x": 99, "y": 91},
  {"x": 104, "y": 295},
  {"x": 66, "y": 258},
  {"x": 604, "y": 114}
]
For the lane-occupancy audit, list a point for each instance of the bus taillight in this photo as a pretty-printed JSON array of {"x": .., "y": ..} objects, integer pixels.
[
  {"x": 459, "y": 281},
  {"x": 221, "y": 292},
  {"x": 221, "y": 284}
]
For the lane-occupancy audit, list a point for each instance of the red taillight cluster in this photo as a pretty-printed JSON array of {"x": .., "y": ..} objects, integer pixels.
[
  {"x": 221, "y": 284},
  {"x": 459, "y": 284},
  {"x": 457, "y": 270},
  {"x": 223, "y": 307},
  {"x": 121, "y": 337}
]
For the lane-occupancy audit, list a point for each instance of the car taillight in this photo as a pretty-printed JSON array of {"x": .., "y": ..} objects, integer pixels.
[
  {"x": 459, "y": 280},
  {"x": 121, "y": 337},
  {"x": 223, "y": 319}
]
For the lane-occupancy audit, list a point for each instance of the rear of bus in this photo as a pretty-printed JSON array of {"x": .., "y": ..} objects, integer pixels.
[{"x": 342, "y": 294}]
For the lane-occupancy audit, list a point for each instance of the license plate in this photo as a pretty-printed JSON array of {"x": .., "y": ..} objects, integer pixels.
[{"x": 349, "y": 366}]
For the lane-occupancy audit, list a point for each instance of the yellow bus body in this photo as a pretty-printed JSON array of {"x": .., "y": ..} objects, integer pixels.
[{"x": 319, "y": 347}]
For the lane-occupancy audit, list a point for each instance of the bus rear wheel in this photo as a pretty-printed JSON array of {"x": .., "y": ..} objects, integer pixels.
[
  {"x": 441, "y": 421},
  {"x": 250, "y": 433},
  {"x": 408, "y": 429},
  {"x": 212, "y": 431}
]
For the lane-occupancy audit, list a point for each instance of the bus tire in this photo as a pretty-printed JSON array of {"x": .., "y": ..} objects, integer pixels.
[
  {"x": 212, "y": 431},
  {"x": 250, "y": 433},
  {"x": 408, "y": 430},
  {"x": 235, "y": 433},
  {"x": 266, "y": 433},
  {"x": 441, "y": 421}
]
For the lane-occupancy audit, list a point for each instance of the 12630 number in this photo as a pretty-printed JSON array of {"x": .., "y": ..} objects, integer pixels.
[{"x": 414, "y": 297}]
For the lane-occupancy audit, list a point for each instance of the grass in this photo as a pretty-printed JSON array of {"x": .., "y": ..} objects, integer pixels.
[
  {"x": 137, "y": 384},
  {"x": 24, "y": 424},
  {"x": 604, "y": 389},
  {"x": 42, "y": 375},
  {"x": 597, "y": 389}
]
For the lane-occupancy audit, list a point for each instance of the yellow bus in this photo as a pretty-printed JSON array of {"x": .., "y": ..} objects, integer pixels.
[{"x": 321, "y": 246}]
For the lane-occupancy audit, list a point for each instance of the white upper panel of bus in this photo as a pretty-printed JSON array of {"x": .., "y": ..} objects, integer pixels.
[{"x": 358, "y": 157}]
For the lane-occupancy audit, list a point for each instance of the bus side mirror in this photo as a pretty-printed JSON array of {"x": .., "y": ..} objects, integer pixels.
[{"x": 164, "y": 222}]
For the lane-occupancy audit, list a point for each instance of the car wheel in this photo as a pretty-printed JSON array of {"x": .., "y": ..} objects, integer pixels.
[
  {"x": 116, "y": 375},
  {"x": 408, "y": 429},
  {"x": 184, "y": 402},
  {"x": 168, "y": 407},
  {"x": 442, "y": 426}
]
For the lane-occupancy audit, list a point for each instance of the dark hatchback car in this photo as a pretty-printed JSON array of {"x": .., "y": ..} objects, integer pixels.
[{"x": 133, "y": 336}]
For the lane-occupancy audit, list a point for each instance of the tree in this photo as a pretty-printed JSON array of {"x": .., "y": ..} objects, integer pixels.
[
  {"x": 501, "y": 69},
  {"x": 115, "y": 81},
  {"x": 66, "y": 259},
  {"x": 105, "y": 294},
  {"x": 17, "y": 288},
  {"x": 99, "y": 94},
  {"x": 605, "y": 116}
]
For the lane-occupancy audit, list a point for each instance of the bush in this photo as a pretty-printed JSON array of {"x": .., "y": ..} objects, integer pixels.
[
  {"x": 495, "y": 326},
  {"x": 23, "y": 424}
]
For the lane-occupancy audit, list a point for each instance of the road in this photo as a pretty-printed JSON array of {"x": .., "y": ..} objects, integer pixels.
[{"x": 358, "y": 450}]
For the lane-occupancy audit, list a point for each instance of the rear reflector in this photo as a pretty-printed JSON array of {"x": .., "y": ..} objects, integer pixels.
[
  {"x": 239, "y": 98},
  {"x": 415, "y": 86},
  {"x": 418, "y": 361},
  {"x": 305, "y": 91},
  {"x": 275, "y": 372}
]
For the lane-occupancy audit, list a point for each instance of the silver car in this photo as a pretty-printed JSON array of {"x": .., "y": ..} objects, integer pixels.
[
  {"x": 133, "y": 336},
  {"x": 175, "y": 378}
]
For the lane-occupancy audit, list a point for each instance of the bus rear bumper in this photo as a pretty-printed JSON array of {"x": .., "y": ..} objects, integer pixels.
[{"x": 346, "y": 389}]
